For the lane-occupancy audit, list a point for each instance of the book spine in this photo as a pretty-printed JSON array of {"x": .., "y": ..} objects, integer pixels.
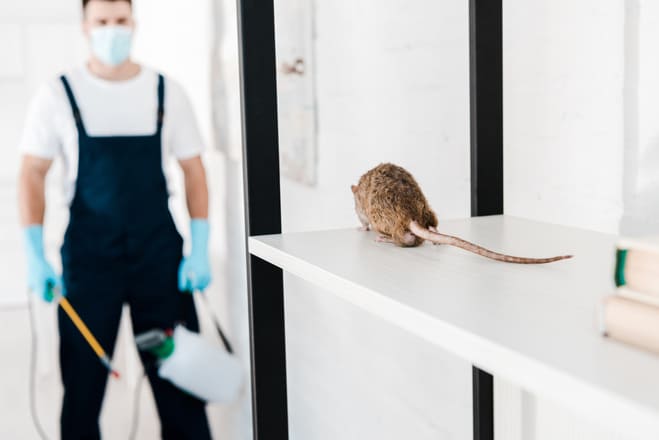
[
  {"x": 642, "y": 297},
  {"x": 621, "y": 259},
  {"x": 650, "y": 245},
  {"x": 637, "y": 271},
  {"x": 631, "y": 322}
]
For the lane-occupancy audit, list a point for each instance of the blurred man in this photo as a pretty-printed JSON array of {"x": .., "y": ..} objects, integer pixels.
[{"x": 113, "y": 122}]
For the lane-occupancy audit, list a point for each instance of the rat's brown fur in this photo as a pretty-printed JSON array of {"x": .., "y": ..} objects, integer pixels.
[{"x": 389, "y": 200}]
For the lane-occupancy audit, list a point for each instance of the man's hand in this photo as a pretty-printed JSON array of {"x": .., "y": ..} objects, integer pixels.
[
  {"x": 195, "y": 272},
  {"x": 41, "y": 278}
]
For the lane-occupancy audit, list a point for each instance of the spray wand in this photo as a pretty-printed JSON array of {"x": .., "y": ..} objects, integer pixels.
[{"x": 84, "y": 330}]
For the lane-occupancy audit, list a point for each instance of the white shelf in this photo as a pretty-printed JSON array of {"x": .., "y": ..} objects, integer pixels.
[{"x": 533, "y": 325}]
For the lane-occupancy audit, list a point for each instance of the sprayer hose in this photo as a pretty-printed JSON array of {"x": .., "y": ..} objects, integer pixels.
[{"x": 33, "y": 383}]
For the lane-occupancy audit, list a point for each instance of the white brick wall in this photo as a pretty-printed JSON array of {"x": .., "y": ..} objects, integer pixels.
[
  {"x": 573, "y": 106},
  {"x": 11, "y": 52},
  {"x": 42, "y": 11},
  {"x": 392, "y": 82},
  {"x": 641, "y": 183},
  {"x": 40, "y": 38},
  {"x": 563, "y": 111},
  {"x": 391, "y": 87}
]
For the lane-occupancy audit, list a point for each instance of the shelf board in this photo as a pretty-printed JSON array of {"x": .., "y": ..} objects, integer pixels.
[{"x": 535, "y": 325}]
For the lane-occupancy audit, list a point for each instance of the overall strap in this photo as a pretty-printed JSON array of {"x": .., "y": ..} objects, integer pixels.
[
  {"x": 161, "y": 101},
  {"x": 74, "y": 105}
]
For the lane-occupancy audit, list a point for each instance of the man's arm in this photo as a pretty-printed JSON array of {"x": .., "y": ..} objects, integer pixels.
[
  {"x": 31, "y": 189},
  {"x": 196, "y": 188},
  {"x": 32, "y": 206},
  {"x": 195, "y": 271}
]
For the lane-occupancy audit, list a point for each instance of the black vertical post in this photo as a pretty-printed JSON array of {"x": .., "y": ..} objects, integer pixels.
[
  {"x": 263, "y": 216},
  {"x": 486, "y": 98},
  {"x": 486, "y": 95},
  {"x": 483, "y": 404}
]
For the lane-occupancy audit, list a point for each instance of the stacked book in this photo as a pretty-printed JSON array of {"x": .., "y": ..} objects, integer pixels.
[{"x": 632, "y": 314}]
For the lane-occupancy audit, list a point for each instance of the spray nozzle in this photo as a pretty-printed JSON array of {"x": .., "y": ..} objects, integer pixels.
[{"x": 158, "y": 342}]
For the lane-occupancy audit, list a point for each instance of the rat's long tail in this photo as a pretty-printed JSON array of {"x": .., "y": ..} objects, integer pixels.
[{"x": 436, "y": 237}]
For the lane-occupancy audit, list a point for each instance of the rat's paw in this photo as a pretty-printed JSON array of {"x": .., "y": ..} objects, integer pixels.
[
  {"x": 383, "y": 239},
  {"x": 364, "y": 228}
]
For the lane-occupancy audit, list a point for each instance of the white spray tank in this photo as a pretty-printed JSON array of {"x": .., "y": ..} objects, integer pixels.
[{"x": 194, "y": 364}]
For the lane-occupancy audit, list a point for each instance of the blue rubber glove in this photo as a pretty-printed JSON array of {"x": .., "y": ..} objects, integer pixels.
[
  {"x": 195, "y": 271},
  {"x": 41, "y": 278}
]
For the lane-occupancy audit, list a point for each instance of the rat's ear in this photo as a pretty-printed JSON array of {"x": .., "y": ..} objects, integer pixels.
[{"x": 353, "y": 188}]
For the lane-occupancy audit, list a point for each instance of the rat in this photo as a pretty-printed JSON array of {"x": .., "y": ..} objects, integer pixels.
[{"x": 390, "y": 201}]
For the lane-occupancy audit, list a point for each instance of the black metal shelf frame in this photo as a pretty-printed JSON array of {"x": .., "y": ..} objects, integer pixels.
[{"x": 256, "y": 35}]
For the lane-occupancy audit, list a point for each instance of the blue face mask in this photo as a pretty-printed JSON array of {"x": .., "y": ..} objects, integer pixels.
[{"x": 111, "y": 44}]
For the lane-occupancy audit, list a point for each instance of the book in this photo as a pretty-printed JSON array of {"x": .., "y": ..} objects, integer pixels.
[
  {"x": 631, "y": 322},
  {"x": 642, "y": 297},
  {"x": 647, "y": 243},
  {"x": 637, "y": 265}
]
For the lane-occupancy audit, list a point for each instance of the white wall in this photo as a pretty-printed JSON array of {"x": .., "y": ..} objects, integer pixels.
[
  {"x": 641, "y": 183},
  {"x": 390, "y": 88},
  {"x": 563, "y": 111},
  {"x": 580, "y": 112}
]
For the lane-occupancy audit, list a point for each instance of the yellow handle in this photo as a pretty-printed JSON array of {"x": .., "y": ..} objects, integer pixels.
[{"x": 91, "y": 340}]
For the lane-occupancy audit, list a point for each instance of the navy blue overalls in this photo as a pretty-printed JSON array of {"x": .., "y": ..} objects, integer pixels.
[{"x": 121, "y": 246}]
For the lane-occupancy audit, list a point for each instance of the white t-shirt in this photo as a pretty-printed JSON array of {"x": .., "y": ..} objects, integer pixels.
[{"x": 107, "y": 108}]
